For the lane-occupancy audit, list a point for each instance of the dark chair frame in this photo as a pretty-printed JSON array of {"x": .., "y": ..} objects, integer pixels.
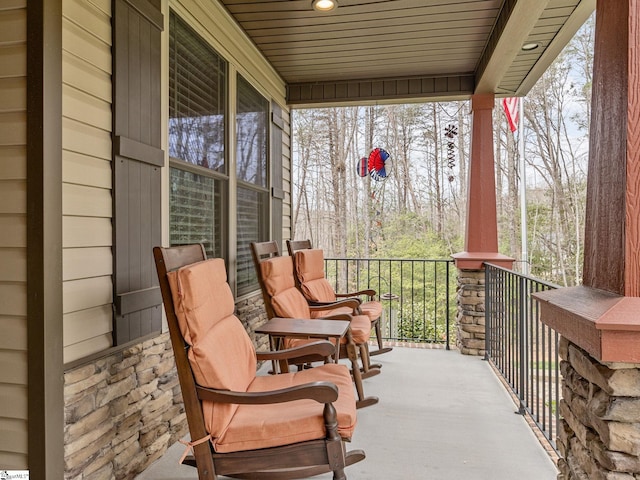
[
  {"x": 295, "y": 245},
  {"x": 295, "y": 461}
]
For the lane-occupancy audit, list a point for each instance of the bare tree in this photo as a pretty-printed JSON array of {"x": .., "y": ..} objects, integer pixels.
[{"x": 425, "y": 195}]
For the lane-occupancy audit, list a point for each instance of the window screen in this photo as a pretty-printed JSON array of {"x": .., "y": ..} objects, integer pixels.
[
  {"x": 197, "y": 89},
  {"x": 252, "y": 130},
  {"x": 196, "y": 214}
]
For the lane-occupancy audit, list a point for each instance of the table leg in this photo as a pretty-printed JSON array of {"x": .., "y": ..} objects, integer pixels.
[
  {"x": 336, "y": 356},
  {"x": 274, "y": 364}
]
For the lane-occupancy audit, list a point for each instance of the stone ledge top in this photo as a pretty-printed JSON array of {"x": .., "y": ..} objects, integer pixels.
[
  {"x": 604, "y": 324},
  {"x": 476, "y": 260}
]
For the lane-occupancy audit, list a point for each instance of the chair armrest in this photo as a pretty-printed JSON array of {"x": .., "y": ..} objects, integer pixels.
[
  {"x": 338, "y": 316},
  {"x": 339, "y": 298},
  {"x": 369, "y": 293},
  {"x": 321, "y": 392},
  {"x": 322, "y": 348},
  {"x": 353, "y": 303}
]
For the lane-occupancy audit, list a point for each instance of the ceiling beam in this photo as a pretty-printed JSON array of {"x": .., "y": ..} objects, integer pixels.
[
  {"x": 516, "y": 20},
  {"x": 564, "y": 36}
]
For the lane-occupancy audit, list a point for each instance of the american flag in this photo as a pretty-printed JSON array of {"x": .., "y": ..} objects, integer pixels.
[{"x": 511, "y": 110}]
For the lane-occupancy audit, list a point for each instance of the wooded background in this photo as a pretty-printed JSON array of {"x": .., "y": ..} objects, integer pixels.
[{"x": 418, "y": 211}]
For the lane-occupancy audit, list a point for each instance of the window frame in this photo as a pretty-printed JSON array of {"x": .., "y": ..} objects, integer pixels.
[{"x": 231, "y": 183}]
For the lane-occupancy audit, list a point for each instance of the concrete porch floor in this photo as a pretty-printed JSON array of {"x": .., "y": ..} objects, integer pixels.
[{"x": 441, "y": 416}]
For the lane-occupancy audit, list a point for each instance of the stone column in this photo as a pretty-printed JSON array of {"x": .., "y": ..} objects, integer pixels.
[
  {"x": 599, "y": 433},
  {"x": 470, "y": 322},
  {"x": 600, "y": 320}
]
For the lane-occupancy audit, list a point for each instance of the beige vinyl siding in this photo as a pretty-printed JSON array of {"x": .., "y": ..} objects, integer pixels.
[
  {"x": 286, "y": 174},
  {"x": 13, "y": 235},
  {"x": 86, "y": 174}
]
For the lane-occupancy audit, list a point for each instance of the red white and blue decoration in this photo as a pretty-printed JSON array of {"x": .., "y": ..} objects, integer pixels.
[
  {"x": 363, "y": 167},
  {"x": 378, "y": 165}
]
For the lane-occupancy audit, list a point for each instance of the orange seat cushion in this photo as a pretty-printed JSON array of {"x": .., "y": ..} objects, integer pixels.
[
  {"x": 263, "y": 426},
  {"x": 290, "y": 304},
  {"x": 360, "y": 328},
  {"x": 318, "y": 290},
  {"x": 372, "y": 309},
  {"x": 277, "y": 274}
]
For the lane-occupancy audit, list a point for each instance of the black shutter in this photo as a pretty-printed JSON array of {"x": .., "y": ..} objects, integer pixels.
[
  {"x": 277, "y": 192},
  {"x": 137, "y": 162}
]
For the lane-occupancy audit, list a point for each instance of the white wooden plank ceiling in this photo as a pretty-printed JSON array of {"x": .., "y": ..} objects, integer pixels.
[{"x": 396, "y": 50}]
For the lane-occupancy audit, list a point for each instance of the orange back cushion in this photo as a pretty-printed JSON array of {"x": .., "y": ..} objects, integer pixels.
[
  {"x": 287, "y": 301},
  {"x": 221, "y": 354},
  {"x": 309, "y": 264},
  {"x": 310, "y": 271}
]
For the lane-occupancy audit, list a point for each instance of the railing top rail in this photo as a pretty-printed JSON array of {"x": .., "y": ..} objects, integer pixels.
[
  {"x": 438, "y": 260},
  {"x": 522, "y": 275}
]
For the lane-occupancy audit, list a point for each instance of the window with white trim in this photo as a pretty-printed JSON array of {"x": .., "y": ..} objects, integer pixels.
[
  {"x": 199, "y": 170},
  {"x": 197, "y": 119}
]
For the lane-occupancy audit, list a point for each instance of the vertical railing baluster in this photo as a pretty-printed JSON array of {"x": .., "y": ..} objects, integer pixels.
[
  {"x": 434, "y": 315},
  {"x": 521, "y": 345},
  {"x": 402, "y": 299},
  {"x": 553, "y": 433},
  {"x": 521, "y": 348},
  {"x": 488, "y": 315},
  {"x": 447, "y": 303},
  {"x": 392, "y": 328}
]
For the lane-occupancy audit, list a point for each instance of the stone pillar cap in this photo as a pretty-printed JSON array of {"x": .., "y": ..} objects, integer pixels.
[
  {"x": 604, "y": 324},
  {"x": 476, "y": 260}
]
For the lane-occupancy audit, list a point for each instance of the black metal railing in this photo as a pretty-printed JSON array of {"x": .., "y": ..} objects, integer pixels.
[
  {"x": 521, "y": 348},
  {"x": 418, "y": 295}
]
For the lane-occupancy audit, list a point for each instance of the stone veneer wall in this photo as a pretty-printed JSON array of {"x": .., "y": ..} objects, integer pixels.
[
  {"x": 253, "y": 314},
  {"x": 470, "y": 317},
  {"x": 599, "y": 434},
  {"x": 124, "y": 411}
]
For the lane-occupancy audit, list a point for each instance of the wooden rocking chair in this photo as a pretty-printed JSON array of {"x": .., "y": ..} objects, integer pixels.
[
  {"x": 308, "y": 265},
  {"x": 243, "y": 425},
  {"x": 283, "y": 299}
]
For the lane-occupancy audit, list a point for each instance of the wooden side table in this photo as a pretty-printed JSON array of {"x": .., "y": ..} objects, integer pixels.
[{"x": 278, "y": 328}]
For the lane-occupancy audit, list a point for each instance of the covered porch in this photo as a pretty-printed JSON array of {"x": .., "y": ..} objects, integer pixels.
[
  {"x": 76, "y": 309},
  {"x": 441, "y": 415}
]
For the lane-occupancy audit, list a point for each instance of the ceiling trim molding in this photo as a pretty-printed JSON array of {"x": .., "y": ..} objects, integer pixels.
[{"x": 386, "y": 90}]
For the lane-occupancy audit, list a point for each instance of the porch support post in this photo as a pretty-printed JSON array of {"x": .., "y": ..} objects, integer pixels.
[
  {"x": 44, "y": 240},
  {"x": 481, "y": 231},
  {"x": 600, "y": 321}
]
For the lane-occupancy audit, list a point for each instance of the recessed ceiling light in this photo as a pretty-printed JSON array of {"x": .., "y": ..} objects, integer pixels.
[
  {"x": 530, "y": 46},
  {"x": 324, "y": 5}
]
